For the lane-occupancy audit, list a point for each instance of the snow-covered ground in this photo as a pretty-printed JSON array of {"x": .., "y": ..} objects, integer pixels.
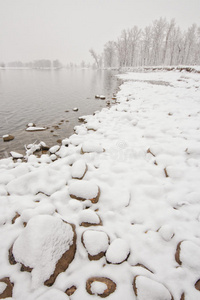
[{"x": 129, "y": 182}]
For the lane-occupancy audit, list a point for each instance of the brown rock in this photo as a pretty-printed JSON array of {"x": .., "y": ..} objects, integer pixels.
[
  {"x": 86, "y": 224},
  {"x": 44, "y": 147},
  {"x": 93, "y": 200},
  {"x": 70, "y": 291},
  {"x": 177, "y": 254},
  {"x": 197, "y": 285},
  {"x": 111, "y": 286},
  {"x": 11, "y": 258},
  {"x": 15, "y": 217},
  {"x": 64, "y": 261},
  {"x": 9, "y": 289},
  {"x": 96, "y": 256},
  {"x": 182, "y": 297},
  {"x": 8, "y": 138},
  {"x": 79, "y": 178},
  {"x": 61, "y": 265}
]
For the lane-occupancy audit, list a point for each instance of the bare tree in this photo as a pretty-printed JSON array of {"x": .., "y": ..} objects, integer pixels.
[{"x": 97, "y": 58}]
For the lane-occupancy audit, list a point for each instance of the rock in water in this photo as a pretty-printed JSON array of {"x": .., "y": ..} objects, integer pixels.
[{"x": 8, "y": 137}]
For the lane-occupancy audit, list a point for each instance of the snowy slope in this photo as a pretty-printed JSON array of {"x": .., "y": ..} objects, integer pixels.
[{"x": 143, "y": 170}]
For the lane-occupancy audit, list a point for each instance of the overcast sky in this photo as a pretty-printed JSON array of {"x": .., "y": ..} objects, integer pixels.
[{"x": 67, "y": 29}]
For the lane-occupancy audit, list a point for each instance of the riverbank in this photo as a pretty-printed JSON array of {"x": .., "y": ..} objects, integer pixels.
[
  {"x": 128, "y": 182},
  {"x": 47, "y": 99}
]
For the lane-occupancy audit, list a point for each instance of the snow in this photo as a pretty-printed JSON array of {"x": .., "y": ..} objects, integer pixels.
[
  {"x": 143, "y": 161},
  {"x": 190, "y": 255},
  {"x": 53, "y": 294},
  {"x": 3, "y": 286},
  {"x": 92, "y": 146},
  {"x": 117, "y": 251},
  {"x": 83, "y": 189},
  {"x": 150, "y": 289},
  {"x": 41, "y": 244},
  {"x": 98, "y": 287},
  {"x": 95, "y": 241}
]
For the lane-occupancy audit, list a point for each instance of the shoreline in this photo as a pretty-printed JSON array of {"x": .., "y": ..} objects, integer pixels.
[{"x": 128, "y": 181}]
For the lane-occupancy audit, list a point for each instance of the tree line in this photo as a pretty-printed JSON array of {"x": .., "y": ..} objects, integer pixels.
[
  {"x": 36, "y": 64},
  {"x": 161, "y": 43}
]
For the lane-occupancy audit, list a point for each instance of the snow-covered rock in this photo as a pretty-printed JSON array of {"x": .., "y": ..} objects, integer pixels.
[
  {"x": 166, "y": 232},
  {"x": 100, "y": 286},
  {"x": 8, "y": 137},
  {"x": 79, "y": 169},
  {"x": 16, "y": 155},
  {"x": 83, "y": 190},
  {"x": 91, "y": 146},
  {"x": 118, "y": 251},
  {"x": 66, "y": 142},
  {"x": 41, "y": 245},
  {"x": 34, "y": 128},
  {"x": 146, "y": 288},
  {"x": 190, "y": 255},
  {"x": 88, "y": 217},
  {"x": 54, "y": 149},
  {"x": 96, "y": 243}
]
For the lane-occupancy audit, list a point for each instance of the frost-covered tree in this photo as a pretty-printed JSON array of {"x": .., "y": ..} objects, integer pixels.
[
  {"x": 161, "y": 43},
  {"x": 110, "y": 54},
  {"x": 97, "y": 58}
]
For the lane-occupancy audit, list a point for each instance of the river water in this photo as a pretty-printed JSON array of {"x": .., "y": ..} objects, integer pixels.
[{"x": 47, "y": 98}]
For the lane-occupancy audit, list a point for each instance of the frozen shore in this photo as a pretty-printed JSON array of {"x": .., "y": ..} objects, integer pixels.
[{"x": 126, "y": 185}]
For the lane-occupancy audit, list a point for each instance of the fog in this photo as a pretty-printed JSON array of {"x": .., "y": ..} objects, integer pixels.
[{"x": 67, "y": 29}]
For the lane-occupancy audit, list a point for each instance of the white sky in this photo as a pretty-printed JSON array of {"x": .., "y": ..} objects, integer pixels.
[{"x": 67, "y": 29}]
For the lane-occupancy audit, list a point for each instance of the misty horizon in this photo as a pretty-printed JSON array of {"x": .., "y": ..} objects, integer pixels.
[{"x": 66, "y": 30}]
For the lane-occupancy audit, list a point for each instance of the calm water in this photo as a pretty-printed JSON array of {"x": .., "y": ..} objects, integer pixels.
[{"x": 43, "y": 96}]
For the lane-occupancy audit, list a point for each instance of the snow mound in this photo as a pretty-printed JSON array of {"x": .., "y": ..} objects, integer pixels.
[
  {"x": 98, "y": 287},
  {"x": 190, "y": 255},
  {"x": 43, "y": 209},
  {"x": 53, "y": 294},
  {"x": 79, "y": 169},
  {"x": 95, "y": 242},
  {"x": 146, "y": 288},
  {"x": 166, "y": 232},
  {"x": 118, "y": 251},
  {"x": 82, "y": 190},
  {"x": 41, "y": 244},
  {"x": 44, "y": 180},
  {"x": 91, "y": 146},
  {"x": 88, "y": 216}
]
